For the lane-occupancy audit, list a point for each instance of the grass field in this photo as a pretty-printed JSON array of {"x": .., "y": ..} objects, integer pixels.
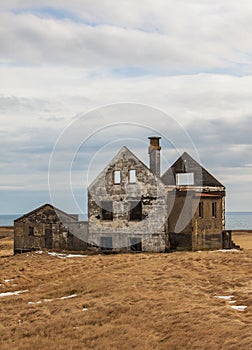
[{"x": 127, "y": 301}]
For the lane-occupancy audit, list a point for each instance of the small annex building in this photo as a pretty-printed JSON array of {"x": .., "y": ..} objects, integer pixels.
[{"x": 48, "y": 228}]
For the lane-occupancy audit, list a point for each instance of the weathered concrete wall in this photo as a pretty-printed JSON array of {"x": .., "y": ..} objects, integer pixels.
[{"x": 147, "y": 190}]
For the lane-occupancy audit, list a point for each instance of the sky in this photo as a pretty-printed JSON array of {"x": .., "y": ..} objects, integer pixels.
[{"x": 187, "y": 63}]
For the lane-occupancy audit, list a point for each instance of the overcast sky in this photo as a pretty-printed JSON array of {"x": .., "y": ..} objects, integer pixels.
[{"x": 61, "y": 59}]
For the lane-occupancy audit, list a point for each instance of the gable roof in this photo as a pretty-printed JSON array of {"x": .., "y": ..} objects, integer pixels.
[
  {"x": 124, "y": 152},
  {"x": 72, "y": 217},
  {"x": 186, "y": 164}
]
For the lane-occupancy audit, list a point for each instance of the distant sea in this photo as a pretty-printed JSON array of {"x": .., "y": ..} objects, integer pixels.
[{"x": 234, "y": 220}]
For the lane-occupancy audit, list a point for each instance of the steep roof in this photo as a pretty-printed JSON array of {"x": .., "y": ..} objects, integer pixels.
[
  {"x": 186, "y": 164},
  {"x": 72, "y": 217}
]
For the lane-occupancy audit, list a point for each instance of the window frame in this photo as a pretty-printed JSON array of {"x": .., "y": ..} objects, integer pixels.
[
  {"x": 181, "y": 182},
  {"x": 132, "y": 178},
  {"x": 133, "y": 208},
  {"x": 106, "y": 215},
  {"x": 214, "y": 209},
  {"x": 201, "y": 210},
  {"x": 106, "y": 243},
  {"x": 117, "y": 177}
]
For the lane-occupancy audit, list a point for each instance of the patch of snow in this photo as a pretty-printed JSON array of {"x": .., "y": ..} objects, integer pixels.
[
  {"x": 68, "y": 297},
  {"x": 60, "y": 255},
  {"x": 7, "y": 281},
  {"x": 239, "y": 307},
  {"x": 76, "y": 256},
  {"x": 85, "y": 309},
  {"x": 39, "y": 252},
  {"x": 225, "y": 251},
  {"x": 48, "y": 300},
  {"x": 7, "y": 294},
  {"x": 225, "y": 297}
]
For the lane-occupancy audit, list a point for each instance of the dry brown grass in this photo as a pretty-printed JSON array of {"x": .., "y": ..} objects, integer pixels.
[{"x": 141, "y": 301}]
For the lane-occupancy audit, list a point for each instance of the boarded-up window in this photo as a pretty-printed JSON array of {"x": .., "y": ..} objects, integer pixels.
[
  {"x": 201, "y": 210},
  {"x": 214, "y": 209},
  {"x": 106, "y": 243},
  {"x": 117, "y": 177},
  {"x": 184, "y": 179},
  {"x": 107, "y": 210},
  {"x": 132, "y": 176},
  {"x": 135, "y": 211}
]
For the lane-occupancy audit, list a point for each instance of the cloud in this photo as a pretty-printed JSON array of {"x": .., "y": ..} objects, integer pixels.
[
  {"x": 160, "y": 38},
  {"x": 191, "y": 60}
]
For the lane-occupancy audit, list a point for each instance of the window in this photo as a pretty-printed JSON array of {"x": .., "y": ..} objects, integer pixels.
[
  {"x": 31, "y": 231},
  {"x": 135, "y": 244},
  {"x": 107, "y": 210},
  {"x": 201, "y": 210},
  {"x": 214, "y": 209},
  {"x": 132, "y": 176},
  {"x": 183, "y": 179},
  {"x": 135, "y": 211},
  {"x": 117, "y": 177},
  {"x": 106, "y": 243}
]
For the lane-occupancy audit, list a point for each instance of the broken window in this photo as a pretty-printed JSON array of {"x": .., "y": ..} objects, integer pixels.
[
  {"x": 201, "y": 210},
  {"x": 117, "y": 177},
  {"x": 135, "y": 211},
  {"x": 106, "y": 243},
  {"x": 31, "y": 231},
  {"x": 214, "y": 209},
  {"x": 107, "y": 210},
  {"x": 132, "y": 176},
  {"x": 184, "y": 179},
  {"x": 135, "y": 244}
]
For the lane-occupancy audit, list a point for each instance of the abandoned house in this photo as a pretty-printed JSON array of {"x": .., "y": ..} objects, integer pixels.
[
  {"x": 132, "y": 208},
  {"x": 48, "y": 227}
]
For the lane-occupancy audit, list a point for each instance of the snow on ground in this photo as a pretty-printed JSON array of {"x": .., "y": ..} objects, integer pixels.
[
  {"x": 239, "y": 307},
  {"x": 225, "y": 297},
  {"x": 60, "y": 255},
  {"x": 48, "y": 300},
  {"x": 7, "y": 294},
  {"x": 229, "y": 298}
]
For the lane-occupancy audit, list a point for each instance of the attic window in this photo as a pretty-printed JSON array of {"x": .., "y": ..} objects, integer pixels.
[
  {"x": 117, "y": 177},
  {"x": 132, "y": 176},
  {"x": 184, "y": 179}
]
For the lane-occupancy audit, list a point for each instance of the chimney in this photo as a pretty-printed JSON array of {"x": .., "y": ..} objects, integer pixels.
[{"x": 154, "y": 153}]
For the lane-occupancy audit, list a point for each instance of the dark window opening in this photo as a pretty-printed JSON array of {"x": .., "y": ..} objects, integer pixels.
[
  {"x": 214, "y": 209},
  {"x": 106, "y": 243},
  {"x": 31, "y": 231},
  {"x": 135, "y": 211},
  {"x": 135, "y": 244},
  {"x": 201, "y": 210},
  {"x": 107, "y": 210}
]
